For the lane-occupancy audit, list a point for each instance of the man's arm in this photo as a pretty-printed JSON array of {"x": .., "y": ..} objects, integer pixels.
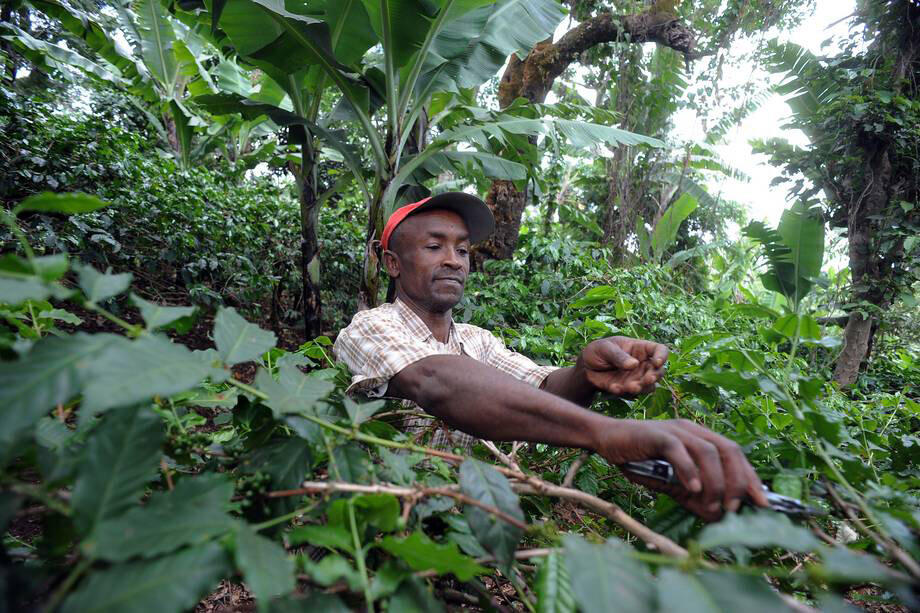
[{"x": 482, "y": 401}]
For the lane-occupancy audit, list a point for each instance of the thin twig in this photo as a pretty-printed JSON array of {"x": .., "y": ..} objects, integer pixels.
[
  {"x": 574, "y": 468},
  {"x": 501, "y": 456},
  {"x": 824, "y": 536},
  {"x": 403, "y": 413},
  {"x": 333, "y": 486}
]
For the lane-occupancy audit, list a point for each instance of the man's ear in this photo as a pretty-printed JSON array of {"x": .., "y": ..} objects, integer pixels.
[{"x": 391, "y": 262}]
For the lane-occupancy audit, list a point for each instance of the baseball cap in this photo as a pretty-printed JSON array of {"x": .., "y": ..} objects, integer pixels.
[{"x": 477, "y": 216}]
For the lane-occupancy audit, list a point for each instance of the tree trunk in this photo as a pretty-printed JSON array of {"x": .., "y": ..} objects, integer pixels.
[
  {"x": 866, "y": 276},
  {"x": 622, "y": 204},
  {"x": 870, "y": 276},
  {"x": 309, "y": 246},
  {"x": 533, "y": 78},
  {"x": 507, "y": 205}
]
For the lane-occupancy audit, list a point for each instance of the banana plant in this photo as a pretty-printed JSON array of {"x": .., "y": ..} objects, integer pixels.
[
  {"x": 412, "y": 62},
  {"x": 163, "y": 64}
]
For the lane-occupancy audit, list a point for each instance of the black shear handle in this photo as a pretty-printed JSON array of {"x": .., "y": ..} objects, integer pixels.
[{"x": 664, "y": 472}]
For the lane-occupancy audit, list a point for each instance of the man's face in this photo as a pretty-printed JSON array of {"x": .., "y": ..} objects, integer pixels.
[{"x": 432, "y": 259}]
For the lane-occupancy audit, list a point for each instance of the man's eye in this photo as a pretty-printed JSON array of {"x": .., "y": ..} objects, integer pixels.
[
  {"x": 433, "y": 247},
  {"x": 463, "y": 251}
]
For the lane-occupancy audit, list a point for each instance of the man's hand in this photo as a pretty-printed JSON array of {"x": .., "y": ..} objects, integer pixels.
[
  {"x": 714, "y": 475},
  {"x": 622, "y": 366}
]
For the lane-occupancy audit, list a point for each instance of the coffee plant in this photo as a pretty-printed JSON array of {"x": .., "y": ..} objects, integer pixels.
[{"x": 155, "y": 471}]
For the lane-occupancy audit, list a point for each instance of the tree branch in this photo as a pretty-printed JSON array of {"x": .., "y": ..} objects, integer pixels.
[
  {"x": 534, "y": 77},
  {"x": 607, "y": 509},
  {"x": 312, "y": 487}
]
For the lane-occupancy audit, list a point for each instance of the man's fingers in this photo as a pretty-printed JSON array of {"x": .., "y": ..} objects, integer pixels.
[
  {"x": 659, "y": 355},
  {"x": 709, "y": 461},
  {"x": 616, "y": 357},
  {"x": 687, "y": 472},
  {"x": 735, "y": 467},
  {"x": 755, "y": 489}
]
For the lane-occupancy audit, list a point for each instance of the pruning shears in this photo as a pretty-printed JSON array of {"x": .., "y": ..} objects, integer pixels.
[{"x": 663, "y": 471}]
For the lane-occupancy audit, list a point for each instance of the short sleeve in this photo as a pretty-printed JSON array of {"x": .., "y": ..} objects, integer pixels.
[
  {"x": 375, "y": 349},
  {"x": 512, "y": 363}
]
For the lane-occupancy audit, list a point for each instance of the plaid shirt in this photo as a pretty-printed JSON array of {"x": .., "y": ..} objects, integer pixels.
[{"x": 379, "y": 343}]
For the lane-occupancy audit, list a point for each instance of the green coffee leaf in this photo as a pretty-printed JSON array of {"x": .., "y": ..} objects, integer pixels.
[
  {"x": 50, "y": 432},
  {"x": 14, "y": 292},
  {"x": 288, "y": 463},
  {"x": 414, "y": 596},
  {"x": 605, "y": 574},
  {"x": 841, "y": 565},
  {"x": 60, "y": 315},
  {"x": 51, "y": 374},
  {"x": 387, "y": 579},
  {"x": 595, "y": 296},
  {"x": 788, "y": 484},
  {"x": 98, "y": 286},
  {"x": 379, "y": 510},
  {"x": 553, "y": 588},
  {"x": 267, "y": 569},
  {"x": 119, "y": 459},
  {"x": 421, "y": 553},
  {"x": 157, "y": 316},
  {"x": 460, "y": 531},
  {"x": 47, "y": 267},
  {"x": 169, "y": 584},
  {"x": 336, "y": 537},
  {"x": 238, "y": 340},
  {"x": 758, "y": 529},
  {"x": 12, "y": 263},
  {"x": 129, "y": 372},
  {"x": 715, "y": 592},
  {"x": 294, "y": 392},
  {"x": 50, "y": 267},
  {"x": 397, "y": 467},
  {"x": 350, "y": 462},
  {"x": 68, "y": 204},
  {"x": 359, "y": 413},
  {"x": 482, "y": 482},
  {"x": 193, "y": 513},
  {"x": 305, "y": 429},
  {"x": 331, "y": 569}
]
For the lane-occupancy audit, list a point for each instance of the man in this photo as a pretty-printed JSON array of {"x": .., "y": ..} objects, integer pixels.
[{"x": 412, "y": 349}]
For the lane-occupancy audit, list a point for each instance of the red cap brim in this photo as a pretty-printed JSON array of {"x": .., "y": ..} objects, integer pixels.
[{"x": 478, "y": 218}]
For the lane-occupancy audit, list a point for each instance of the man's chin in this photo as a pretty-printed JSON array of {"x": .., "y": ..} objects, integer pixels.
[{"x": 445, "y": 301}]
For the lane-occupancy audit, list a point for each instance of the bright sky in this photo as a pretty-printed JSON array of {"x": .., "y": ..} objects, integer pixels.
[{"x": 766, "y": 202}]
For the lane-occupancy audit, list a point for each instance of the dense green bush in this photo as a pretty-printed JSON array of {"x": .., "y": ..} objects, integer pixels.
[
  {"x": 216, "y": 238},
  {"x": 93, "y": 423}
]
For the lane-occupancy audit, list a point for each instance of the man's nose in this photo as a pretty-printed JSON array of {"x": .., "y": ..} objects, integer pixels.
[{"x": 453, "y": 259}]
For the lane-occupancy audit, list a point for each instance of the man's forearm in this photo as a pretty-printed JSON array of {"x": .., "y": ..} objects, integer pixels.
[
  {"x": 570, "y": 383},
  {"x": 487, "y": 403}
]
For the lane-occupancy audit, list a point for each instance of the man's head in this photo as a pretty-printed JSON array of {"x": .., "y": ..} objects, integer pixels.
[{"x": 427, "y": 248}]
